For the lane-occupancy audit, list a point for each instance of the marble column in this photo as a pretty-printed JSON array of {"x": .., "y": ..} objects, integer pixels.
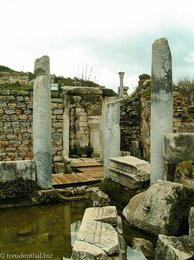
[
  {"x": 161, "y": 105},
  {"x": 42, "y": 146},
  {"x": 121, "y": 88},
  {"x": 111, "y": 133}
]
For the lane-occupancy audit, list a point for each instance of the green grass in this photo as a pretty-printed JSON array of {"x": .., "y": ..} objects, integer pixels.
[{"x": 16, "y": 86}]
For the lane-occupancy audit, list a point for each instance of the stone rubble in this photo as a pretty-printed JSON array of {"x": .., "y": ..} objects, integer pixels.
[
  {"x": 98, "y": 237},
  {"x": 153, "y": 210},
  {"x": 130, "y": 171}
]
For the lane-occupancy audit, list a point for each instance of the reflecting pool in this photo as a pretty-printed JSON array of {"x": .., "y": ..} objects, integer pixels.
[{"x": 40, "y": 232}]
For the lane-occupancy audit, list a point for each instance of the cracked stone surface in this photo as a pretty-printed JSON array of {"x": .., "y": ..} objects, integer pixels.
[{"x": 97, "y": 237}]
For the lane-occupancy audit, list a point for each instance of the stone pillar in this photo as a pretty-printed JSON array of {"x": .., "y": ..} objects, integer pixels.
[
  {"x": 42, "y": 122},
  {"x": 161, "y": 105},
  {"x": 121, "y": 88},
  {"x": 66, "y": 121},
  {"x": 111, "y": 133},
  {"x": 94, "y": 124}
]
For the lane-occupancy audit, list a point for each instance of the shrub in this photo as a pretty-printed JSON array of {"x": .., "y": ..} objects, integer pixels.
[{"x": 186, "y": 85}]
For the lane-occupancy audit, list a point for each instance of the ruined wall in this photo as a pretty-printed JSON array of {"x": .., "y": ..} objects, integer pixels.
[
  {"x": 16, "y": 121},
  {"x": 129, "y": 122},
  {"x": 80, "y": 109},
  {"x": 144, "y": 86},
  {"x": 136, "y": 126},
  {"x": 57, "y": 109},
  {"x": 16, "y": 125},
  {"x": 14, "y": 77},
  {"x": 183, "y": 121}
]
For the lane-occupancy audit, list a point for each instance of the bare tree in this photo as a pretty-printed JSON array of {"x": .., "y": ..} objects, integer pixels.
[{"x": 87, "y": 74}]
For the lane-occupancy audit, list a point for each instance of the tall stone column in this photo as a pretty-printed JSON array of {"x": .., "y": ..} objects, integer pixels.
[
  {"x": 161, "y": 105},
  {"x": 111, "y": 133},
  {"x": 42, "y": 122},
  {"x": 121, "y": 75}
]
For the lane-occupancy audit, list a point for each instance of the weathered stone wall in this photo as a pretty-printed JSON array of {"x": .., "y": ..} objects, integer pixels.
[
  {"x": 183, "y": 121},
  {"x": 145, "y": 109},
  {"x": 16, "y": 109},
  {"x": 136, "y": 117},
  {"x": 80, "y": 109},
  {"x": 79, "y": 129},
  {"x": 16, "y": 121},
  {"x": 57, "y": 108},
  {"x": 129, "y": 122},
  {"x": 14, "y": 77},
  {"x": 16, "y": 125}
]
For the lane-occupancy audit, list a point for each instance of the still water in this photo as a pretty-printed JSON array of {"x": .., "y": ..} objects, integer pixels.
[
  {"x": 47, "y": 232},
  {"x": 40, "y": 232}
]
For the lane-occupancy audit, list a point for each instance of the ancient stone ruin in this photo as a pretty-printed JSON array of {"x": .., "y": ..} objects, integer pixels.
[
  {"x": 40, "y": 132},
  {"x": 161, "y": 209},
  {"x": 161, "y": 105},
  {"x": 42, "y": 122}
]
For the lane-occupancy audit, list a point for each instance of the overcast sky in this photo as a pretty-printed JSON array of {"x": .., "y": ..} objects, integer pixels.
[{"x": 106, "y": 35}]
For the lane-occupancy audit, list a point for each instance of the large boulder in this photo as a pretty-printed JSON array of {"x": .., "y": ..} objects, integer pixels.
[
  {"x": 176, "y": 248},
  {"x": 159, "y": 210},
  {"x": 98, "y": 197}
]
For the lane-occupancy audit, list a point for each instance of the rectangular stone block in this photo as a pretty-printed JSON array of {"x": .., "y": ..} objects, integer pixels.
[
  {"x": 98, "y": 237},
  {"x": 130, "y": 171},
  {"x": 12, "y": 170}
]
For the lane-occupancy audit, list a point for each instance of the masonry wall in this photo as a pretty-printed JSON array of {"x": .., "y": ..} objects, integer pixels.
[
  {"x": 16, "y": 137},
  {"x": 129, "y": 122},
  {"x": 14, "y": 77},
  {"x": 16, "y": 121},
  {"x": 16, "y": 125},
  {"x": 80, "y": 109},
  {"x": 57, "y": 109},
  {"x": 136, "y": 117}
]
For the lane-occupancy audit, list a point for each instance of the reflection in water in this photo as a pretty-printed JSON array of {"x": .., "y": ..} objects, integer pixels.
[{"x": 40, "y": 232}]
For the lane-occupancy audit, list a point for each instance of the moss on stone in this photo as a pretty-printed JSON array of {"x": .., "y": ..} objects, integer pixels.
[
  {"x": 181, "y": 202},
  {"x": 17, "y": 189},
  {"x": 116, "y": 192}
]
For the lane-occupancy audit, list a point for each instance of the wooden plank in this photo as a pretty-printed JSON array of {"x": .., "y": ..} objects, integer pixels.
[{"x": 87, "y": 175}]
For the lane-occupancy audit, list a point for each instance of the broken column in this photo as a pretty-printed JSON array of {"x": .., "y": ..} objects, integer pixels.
[
  {"x": 42, "y": 123},
  {"x": 111, "y": 133},
  {"x": 161, "y": 105},
  {"x": 121, "y": 88}
]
